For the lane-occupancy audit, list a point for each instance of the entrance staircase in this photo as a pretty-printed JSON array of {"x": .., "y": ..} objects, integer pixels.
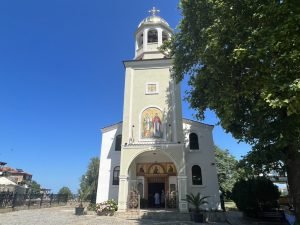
[{"x": 155, "y": 214}]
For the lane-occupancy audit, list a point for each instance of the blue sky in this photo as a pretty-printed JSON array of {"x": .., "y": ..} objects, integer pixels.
[{"x": 62, "y": 79}]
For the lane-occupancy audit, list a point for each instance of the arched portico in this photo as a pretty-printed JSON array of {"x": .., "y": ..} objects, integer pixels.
[{"x": 149, "y": 171}]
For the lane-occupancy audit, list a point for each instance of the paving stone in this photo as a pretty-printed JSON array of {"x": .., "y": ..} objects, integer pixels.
[{"x": 66, "y": 216}]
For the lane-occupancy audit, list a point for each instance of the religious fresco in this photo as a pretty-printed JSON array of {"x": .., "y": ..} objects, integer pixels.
[
  {"x": 156, "y": 169},
  {"x": 151, "y": 120},
  {"x": 143, "y": 169}
]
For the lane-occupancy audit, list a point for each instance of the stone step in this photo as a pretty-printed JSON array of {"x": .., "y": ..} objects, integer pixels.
[{"x": 155, "y": 215}]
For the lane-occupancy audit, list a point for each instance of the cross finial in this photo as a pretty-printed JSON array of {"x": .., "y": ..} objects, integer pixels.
[{"x": 154, "y": 11}]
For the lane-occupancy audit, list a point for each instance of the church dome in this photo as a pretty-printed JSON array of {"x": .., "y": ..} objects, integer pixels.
[
  {"x": 153, "y": 19},
  {"x": 150, "y": 35}
]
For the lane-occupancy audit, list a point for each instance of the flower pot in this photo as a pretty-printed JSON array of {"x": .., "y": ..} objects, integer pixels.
[
  {"x": 198, "y": 217},
  {"x": 79, "y": 211}
]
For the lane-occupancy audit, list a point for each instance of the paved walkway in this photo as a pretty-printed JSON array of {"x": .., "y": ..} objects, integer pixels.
[{"x": 65, "y": 216}]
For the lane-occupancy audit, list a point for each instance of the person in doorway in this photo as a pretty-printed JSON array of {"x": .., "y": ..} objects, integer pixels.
[
  {"x": 162, "y": 199},
  {"x": 156, "y": 200}
]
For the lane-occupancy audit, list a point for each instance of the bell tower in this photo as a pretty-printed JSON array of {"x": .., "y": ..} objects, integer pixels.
[
  {"x": 151, "y": 33},
  {"x": 152, "y": 131}
]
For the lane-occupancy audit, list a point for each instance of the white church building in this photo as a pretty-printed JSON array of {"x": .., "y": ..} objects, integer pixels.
[{"x": 154, "y": 149}]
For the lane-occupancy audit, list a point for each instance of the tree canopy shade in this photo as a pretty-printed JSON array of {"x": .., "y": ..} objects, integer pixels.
[
  {"x": 243, "y": 59},
  {"x": 89, "y": 181}
]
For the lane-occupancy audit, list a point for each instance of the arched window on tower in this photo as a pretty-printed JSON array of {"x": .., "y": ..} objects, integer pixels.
[
  {"x": 193, "y": 139},
  {"x": 165, "y": 36},
  {"x": 116, "y": 175},
  {"x": 118, "y": 143},
  {"x": 196, "y": 175},
  {"x": 140, "y": 40},
  {"x": 152, "y": 36}
]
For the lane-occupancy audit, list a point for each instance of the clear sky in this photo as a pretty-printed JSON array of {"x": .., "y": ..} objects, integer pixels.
[{"x": 62, "y": 80}]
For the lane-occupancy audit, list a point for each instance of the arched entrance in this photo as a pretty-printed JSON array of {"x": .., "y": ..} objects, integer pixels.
[{"x": 153, "y": 174}]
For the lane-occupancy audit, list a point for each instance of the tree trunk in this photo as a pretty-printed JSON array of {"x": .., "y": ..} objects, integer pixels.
[{"x": 293, "y": 172}]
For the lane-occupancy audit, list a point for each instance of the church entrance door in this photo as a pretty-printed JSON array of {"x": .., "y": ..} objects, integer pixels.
[{"x": 152, "y": 189}]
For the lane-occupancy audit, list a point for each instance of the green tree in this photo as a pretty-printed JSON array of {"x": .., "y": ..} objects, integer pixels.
[
  {"x": 35, "y": 188},
  {"x": 89, "y": 181},
  {"x": 65, "y": 191},
  {"x": 243, "y": 59},
  {"x": 227, "y": 170},
  {"x": 255, "y": 194}
]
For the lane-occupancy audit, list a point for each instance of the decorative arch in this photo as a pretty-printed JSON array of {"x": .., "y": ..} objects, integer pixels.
[
  {"x": 133, "y": 157},
  {"x": 151, "y": 123}
]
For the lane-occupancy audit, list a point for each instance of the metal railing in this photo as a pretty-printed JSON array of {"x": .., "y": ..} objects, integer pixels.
[{"x": 14, "y": 200}]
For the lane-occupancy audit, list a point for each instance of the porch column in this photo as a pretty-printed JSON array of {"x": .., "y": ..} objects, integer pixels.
[
  {"x": 123, "y": 192},
  {"x": 182, "y": 191}
]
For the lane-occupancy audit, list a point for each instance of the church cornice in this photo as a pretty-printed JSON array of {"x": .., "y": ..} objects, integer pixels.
[
  {"x": 146, "y": 63},
  {"x": 197, "y": 123},
  {"x": 111, "y": 127}
]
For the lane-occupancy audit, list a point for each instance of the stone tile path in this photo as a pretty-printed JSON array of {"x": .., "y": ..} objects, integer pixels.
[{"x": 65, "y": 216}]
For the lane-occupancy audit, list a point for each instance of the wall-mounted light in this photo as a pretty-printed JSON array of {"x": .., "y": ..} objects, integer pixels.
[{"x": 212, "y": 164}]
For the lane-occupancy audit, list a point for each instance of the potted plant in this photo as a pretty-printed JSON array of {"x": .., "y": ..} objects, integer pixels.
[
  {"x": 197, "y": 201},
  {"x": 79, "y": 210}
]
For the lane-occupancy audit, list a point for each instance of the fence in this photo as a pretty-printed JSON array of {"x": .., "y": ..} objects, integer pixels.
[{"x": 13, "y": 200}]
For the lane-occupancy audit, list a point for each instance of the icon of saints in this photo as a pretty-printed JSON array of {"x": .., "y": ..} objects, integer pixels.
[{"x": 147, "y": 125}]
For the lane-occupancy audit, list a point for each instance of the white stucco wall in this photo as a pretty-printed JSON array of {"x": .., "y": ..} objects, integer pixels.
[
  {"x": 205, "y": 158},
  {"x": 109, "y": 159}
]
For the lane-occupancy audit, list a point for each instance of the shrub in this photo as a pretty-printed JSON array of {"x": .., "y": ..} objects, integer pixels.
[
  {"x": 107, "y": 206},
  {"x": 255, "y": 194}
]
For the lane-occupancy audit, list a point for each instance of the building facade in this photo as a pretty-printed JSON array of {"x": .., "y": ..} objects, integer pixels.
[{"x": 155, "y": 150}]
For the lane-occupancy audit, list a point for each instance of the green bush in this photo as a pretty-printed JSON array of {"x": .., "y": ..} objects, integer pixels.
[{"x": 255, "y": 194}]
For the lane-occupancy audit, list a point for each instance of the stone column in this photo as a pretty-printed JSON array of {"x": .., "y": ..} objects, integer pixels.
[
  {"x": 145, "y": 40},
  {"x": 182, "y": 192},
  {"x": 123, "y": 192},
  {"x": 159, "y": 36}
]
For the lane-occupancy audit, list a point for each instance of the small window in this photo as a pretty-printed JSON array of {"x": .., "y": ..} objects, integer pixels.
[
  {"x": 152, "y": 36},
  {"x": 193, "y": 139},
  {"x": 118, "y": 143},
  {"x": 151, "y": 88},
  {"x": 116, "y": 174},
  {"x": 196, "y": 175}
]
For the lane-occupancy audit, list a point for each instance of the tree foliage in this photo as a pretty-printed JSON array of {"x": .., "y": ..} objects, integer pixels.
[
  {"x": 243, "y": 59},
  {"x": 65, "y": 191},
  {"x": 89, "y": 181},
  {"x": 35, "y": 188},
  {"x": 227, "y": 170},
  {"x": 255, "y": 194}
]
